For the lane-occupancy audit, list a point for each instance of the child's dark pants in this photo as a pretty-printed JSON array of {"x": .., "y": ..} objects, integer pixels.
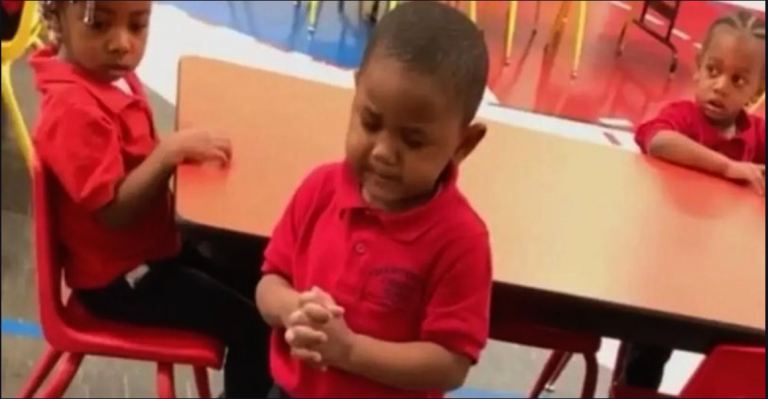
[{"x": 189, "y": 293}]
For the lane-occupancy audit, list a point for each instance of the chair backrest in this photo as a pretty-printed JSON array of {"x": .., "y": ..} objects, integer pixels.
[
  {"x": 27, "y": 30},
  {"x": 729, "y": 372},
  {"x": 48, "y": 271}
]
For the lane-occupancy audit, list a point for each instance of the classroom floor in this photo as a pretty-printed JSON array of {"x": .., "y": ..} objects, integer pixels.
[{"x": 183, "y": 28}]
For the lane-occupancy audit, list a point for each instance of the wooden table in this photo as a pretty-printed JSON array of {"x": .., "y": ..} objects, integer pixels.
[{"x": 584, "y": 237}]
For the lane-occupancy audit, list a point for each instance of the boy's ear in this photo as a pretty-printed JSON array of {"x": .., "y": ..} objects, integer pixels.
[{"x": 471, "y": 137}]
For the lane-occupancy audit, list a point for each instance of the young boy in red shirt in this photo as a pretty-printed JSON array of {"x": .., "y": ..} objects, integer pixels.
[
  {"x": 712, "y": 134},
  {"x": 378, "y": 276},
  {"x": 113, "y": 210},
  {"x": 715, "y": 134}
]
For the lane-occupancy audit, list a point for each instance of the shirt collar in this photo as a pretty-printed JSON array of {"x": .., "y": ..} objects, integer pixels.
[
  {"x": 50, "y": 70},
  {"x": 404, "y": 226}
]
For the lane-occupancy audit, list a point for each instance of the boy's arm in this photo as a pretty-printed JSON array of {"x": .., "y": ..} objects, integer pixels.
[
  {"x": 275, "y": 294},
  {"x": 276, "y": 299},
  {"x": 679, "y": 149},
  {"x": 413, "y": 366},
  {"x": 82, "y": 148},
  {"x": 674, "y": 136},
  {"x": 453, "y": 333}
]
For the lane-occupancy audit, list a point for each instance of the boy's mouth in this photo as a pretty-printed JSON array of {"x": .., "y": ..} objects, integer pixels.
[{"x": 715, "y": 106}]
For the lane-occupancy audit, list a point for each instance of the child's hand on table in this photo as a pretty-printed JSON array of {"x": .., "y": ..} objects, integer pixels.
[
  {"x": 753, "y": 175},
  {"x": 198, "y": 146},
  {"x": 317, "y": 332}
]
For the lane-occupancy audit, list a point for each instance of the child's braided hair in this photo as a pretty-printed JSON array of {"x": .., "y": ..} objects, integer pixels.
[
  {"x": 743, "y": 22},
  {"x": 48, "y": 13}
]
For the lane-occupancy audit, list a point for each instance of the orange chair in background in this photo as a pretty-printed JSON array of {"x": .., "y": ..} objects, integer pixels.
[{"x": 72, "y": 333}]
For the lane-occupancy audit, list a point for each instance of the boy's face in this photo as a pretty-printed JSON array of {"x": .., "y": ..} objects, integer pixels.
[
  {"x": 730, "y": 74},
  {"x": 403, "y": 133},
  {"x": 113, "y": 43}
]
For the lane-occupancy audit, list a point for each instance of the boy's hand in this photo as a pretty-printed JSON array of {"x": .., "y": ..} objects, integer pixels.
[
  {"x": 198, "y": 146},
  {"x": 317, "y": 332},
  {"x": 749, "y": 173}
]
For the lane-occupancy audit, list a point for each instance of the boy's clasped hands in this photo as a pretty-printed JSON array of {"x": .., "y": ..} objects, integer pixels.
[{"x": 317, "y": 332}]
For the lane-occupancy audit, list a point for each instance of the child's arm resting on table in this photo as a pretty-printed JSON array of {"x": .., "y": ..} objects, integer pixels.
[
  {"x": 678, "y": 148},
  {"x": 674, "y": 137},
  {"x": 453, "y": 333},
  {"x": 81, "y": 146}
]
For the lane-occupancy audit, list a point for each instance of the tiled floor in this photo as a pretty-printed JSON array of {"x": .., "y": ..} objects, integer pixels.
[{"x": 505, "y": 371}]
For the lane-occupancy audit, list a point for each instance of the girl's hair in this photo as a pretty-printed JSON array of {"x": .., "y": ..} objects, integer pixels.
[
  {"x": 50, "y": 9},
  {"x": 743, "y": 22}
]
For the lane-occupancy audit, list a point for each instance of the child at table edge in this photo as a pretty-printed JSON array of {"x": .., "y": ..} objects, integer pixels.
[
  {"x": 714, "y": 133},
  {"x": 109, "y": 194},
  {"x": 378, "y": 276}
]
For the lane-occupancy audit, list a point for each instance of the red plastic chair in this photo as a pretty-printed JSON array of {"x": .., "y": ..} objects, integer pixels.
[
  {"x": 728, "y": 372},
  {"x": 564, "y": 345},
  {"x": 72, "y": 333}
]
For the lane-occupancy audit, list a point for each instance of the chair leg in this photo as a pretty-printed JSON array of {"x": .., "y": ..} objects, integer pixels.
[
  {"x": 473, "y": 11},
  {"x": 314, "y": 8},
  {"x": 581, "y": 26},
  {"x": 550, "y": 387},
  {"x": 202, "y": 382},
  {"x": 618, "y": 367},
  {"x": 510, "y": 34},
  {"x": 40, "y": 372},
  {"x": 20, "y": 132},
  {"x": 590, "y": 376},
  {"x": 561, "y": 19},
  {"x": 546, "y": 374},
  {"x": 60, "y": 381},
  {"x": 165, "y": 381}
]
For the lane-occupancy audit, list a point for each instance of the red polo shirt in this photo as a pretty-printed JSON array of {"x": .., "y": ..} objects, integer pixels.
[
  {"x": 12, "y": 7},
  {"x": 421, "y": 275},
  {"x": 90, "y": 135},
  {"x": 685, "y": 117}
]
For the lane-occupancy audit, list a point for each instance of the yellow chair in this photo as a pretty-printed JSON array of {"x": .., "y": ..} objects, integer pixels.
[
  {"x": 27, "y": 35},
  {"x": 562, "y": 18},
  {"x": 512, "y": 24},
  {"x": 314, "y": 10},
  {"x": 563, "y": 15}
]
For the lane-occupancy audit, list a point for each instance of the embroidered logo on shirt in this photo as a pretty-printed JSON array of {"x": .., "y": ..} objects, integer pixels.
[{"x": 394, "y": 288}]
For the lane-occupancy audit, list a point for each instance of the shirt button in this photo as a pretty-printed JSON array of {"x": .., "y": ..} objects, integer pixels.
[{"x": 360, "y": 248}]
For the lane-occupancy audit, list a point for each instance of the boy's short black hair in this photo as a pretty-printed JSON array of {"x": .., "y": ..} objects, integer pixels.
[
  {"x": 436, "y": 40},
  {"x": 743, "y": 22}
]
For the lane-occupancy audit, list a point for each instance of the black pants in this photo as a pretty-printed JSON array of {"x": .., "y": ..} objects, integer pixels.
[
  {"x": 190, "y": 293},
  {"x": 644, "y": 366},
  {"x": 9, "y": 24},
  {"x": 277, "y": 393}
]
